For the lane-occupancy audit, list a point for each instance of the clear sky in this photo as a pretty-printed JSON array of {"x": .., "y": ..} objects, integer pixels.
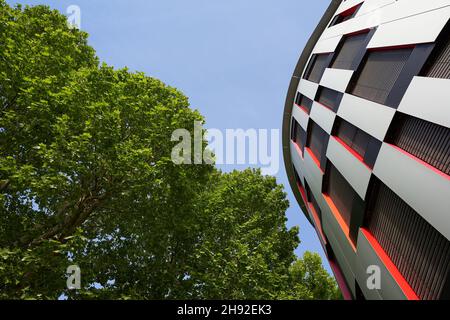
[{"x": 232, "y": 58}]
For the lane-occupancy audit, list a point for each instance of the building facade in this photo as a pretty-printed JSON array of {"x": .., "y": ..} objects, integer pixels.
[{"x": 366, "y": 143}]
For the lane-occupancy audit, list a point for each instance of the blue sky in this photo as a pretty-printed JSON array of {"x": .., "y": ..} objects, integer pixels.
[{"x": 232, "y": 58}]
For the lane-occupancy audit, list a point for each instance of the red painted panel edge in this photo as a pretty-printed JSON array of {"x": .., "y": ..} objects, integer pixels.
[{"x": 399, "y": 279}]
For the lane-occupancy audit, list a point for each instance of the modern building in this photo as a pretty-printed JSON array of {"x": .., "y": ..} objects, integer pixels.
[{"x": 366, "y": 142}]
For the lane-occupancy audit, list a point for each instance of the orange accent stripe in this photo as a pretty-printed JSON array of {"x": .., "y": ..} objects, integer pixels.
[
  {"x": 401, "y": 281},
  {"x": 318, "y": 223},
  {"x": 316, "y": 161},
  {"x": 339, "y": 219}
]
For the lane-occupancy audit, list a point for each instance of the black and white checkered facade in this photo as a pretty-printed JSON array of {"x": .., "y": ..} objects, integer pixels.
[{"x": 368, "y": 146}]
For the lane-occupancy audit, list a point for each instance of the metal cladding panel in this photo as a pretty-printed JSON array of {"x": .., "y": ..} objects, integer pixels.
[
  {"x": 313, "y": 174},
  {"x": 367, "y": 256},
  {"x": 356, "y": 172},
  {"x": 421, "y": 254},
  {"x": 441, "y": 66},
  {"x": 394, "y": 26},
  {"x": 422, "y": 188},
  {"x": 428, "y": 99},
  {"x": 301, "y": 117},
  {"x": 344, "y": 253},
  {"x": 336, "y": 79},
  {"x": 411, "y": 30},
  {"x": 297, "y": 161},
  {"x": 327, "y": 45},
  {"x": 345, "y": 5},
  {"x": 308, "y": 88},
  {"x": 380, "y": 73},
  {"x": 425, "y": 140},
  {"x": 371, "y": 117},
  {"x": 323, "y": 116},
  {"x": 372, "y": 5}
]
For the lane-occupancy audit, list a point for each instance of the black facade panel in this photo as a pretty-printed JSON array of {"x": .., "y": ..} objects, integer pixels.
[
  {"x": 318, "y": 142},
  {"x": 316, "y": 67},
  {"x": 379, "y": 74},
  {"x": 298, "y": 135},
  {"x": 341, "y": 193},
  {"x": 350, "y": 49},
  {"x": 418, "y": 250},
  {"x": 304, "y": 101},
  {"x": 362, "y": 143},
  {"x": 425, "y": 140},
  {"x": 439, "y": 64}
]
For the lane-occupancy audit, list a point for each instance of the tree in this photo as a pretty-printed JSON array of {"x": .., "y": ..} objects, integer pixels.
[
  {"x": 309, "y": 280},
  {"x": 86, "y": 178}
]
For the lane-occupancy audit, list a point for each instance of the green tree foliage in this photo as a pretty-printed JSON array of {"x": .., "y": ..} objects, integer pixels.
[{"x": 86, "y": 178}]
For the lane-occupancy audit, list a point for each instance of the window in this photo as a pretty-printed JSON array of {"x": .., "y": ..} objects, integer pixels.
[
  {"x": 304, "y": 102},
  {"x": 329, "y": 98},
  {"x": 350, "y": 49},
  {"x": 419, "y": 251},
  {"x": 439, "y": 64},
  {"x": 298, "y": 135},
  {"x": 345, "y": 15},
  {"x": 318, "y": 143},
  {"x": 379, "y": 74},
  {"x": 366, "y": 146},
  {"x": 314, "y": 202},
  {"x": 425, "y": 140},
  {"x": 316, "y": 67}
]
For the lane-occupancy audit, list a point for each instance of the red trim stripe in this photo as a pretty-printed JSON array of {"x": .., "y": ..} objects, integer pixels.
[
  {"x": 429, "y": 166},
  {"x": 316, "y": 161},
  {"x": 353, "y": 152},
  {"x": 399, "y": 279}
]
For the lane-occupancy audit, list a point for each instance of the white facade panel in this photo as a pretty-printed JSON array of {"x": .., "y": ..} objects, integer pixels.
[
  {"x": 354, "y": 171},
  {"x": 308, "y": 88},
  {"x": 420, "y": 28},
  {"x": 428, "y": 99},
  {"x": 300, "y": 116},
  {"x": 327, "y": 45},
  {"x": 323, "y": 116},
  {"x": 297, "y": 161},
  {"x": 373, "y": 118},
  {"x": 367, "y": 257},
  {"x": 313, "y": 174},
  {"x": 336, "y": 79},
  {"x": 424, "y": 189}
]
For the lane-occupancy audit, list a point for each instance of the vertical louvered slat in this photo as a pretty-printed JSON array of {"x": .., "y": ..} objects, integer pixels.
[
  {"x": 427, "y": 141},
  {"x": 441, "y": 66},
  {"x": 417, "y": 249}
]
